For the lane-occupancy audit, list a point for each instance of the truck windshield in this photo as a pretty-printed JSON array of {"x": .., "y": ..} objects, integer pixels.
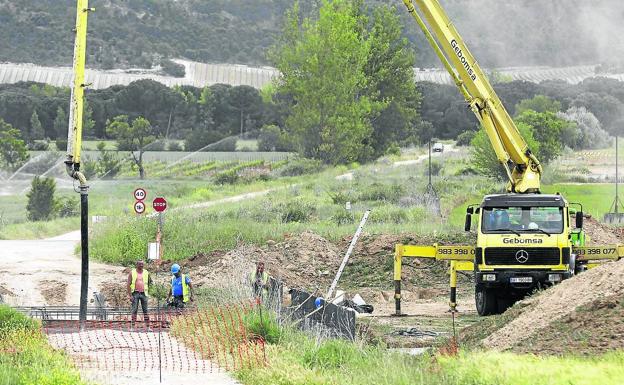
[{"x": 522, "y": 219}]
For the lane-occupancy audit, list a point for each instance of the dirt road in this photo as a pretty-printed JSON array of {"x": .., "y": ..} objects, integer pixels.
[{"x": 46, "y": 272}]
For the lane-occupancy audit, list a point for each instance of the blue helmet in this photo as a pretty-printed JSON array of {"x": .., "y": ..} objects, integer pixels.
[{"x": 175, "y": 268}]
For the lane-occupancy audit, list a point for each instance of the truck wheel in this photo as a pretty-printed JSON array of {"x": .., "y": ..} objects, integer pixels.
[{"x": 486, "y": 301}]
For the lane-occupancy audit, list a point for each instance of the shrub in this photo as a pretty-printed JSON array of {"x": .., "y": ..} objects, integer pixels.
[
  {"x": 226, "y": 177},
  {"x": 301, "y": 167},
  {"x": 174, "y": 146},
  {"x": 61, "y": 144},
  {"x": 68, "y": 207},
  {"x": 10, "y": 320},
  {"x": 388, "y": 215},
  {"x": 381, "y": 192},
  {"x": 272, "y": 138},
  {"x": 342, "y": 217},
  {"x": 263, "y": 323},
  {"x": 436, "y": 168},
  {"x": 332, "y": 354},
  {"x": 39, "y": 146},
  {"x": 297, "y": 211},
  {"x": 340, "y": 198},
  {"x": 172, "y": 68},
  {"x": 224, "y": 145},
  {"x": 41, "y": 202},
  {"x": 465, "y": 138}
]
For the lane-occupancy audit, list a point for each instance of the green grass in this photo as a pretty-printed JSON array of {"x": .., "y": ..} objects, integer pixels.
[
  {"x": 25, "y": 356},
  {"x": 39, "y": 230},
  {"x": 316, "y": 204},
  {"x": 91, "y": 145},
  {"x": 299, "y": 359},
  {"x": 596, "y": 198}
]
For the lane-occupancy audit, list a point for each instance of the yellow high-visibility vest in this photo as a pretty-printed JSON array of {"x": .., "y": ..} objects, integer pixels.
[
  {"x": 185, "y": 288},
  {"x": 145, "y": 280}
]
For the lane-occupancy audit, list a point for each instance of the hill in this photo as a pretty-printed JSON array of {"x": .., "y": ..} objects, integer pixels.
[{"x": 141, "y": 33}]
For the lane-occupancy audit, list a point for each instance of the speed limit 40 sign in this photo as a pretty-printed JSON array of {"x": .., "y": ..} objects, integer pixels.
[{"x": 140, "y": 194}]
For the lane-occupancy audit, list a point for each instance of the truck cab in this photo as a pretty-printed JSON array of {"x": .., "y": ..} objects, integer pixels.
[{"x": 523, "y": 244}]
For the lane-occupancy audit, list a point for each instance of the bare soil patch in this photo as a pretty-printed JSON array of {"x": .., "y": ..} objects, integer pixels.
[{"x": 54, "y": 292}]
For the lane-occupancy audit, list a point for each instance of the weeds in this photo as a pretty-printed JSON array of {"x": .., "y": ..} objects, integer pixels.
[{"x": 25, "y": 356}]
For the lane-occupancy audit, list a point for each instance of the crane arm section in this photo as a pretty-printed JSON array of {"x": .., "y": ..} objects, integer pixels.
[
  {"x": 76, "y": 108},
  {"x": 522, "y": 167}
]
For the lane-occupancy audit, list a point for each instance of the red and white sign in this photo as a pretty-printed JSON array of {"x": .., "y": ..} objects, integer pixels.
[
  {"x": 139, "y": 207},
  {"x": 140, "y": 194},
  {"x": 159, "y": 204}
]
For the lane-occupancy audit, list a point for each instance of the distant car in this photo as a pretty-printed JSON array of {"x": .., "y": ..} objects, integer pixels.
[{"x": 438, "y": 147}]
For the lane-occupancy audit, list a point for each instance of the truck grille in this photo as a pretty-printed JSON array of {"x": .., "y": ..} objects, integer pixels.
[{"x": 533, "y": 256}]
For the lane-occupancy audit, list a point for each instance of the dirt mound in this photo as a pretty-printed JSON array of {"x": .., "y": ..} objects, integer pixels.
[
  {"x": 115, "y": 293},
  {"x": 304, "y": 260},
  {"x": 53, "y": 292},
  {"x": 601, "y": 234},
  {"x": 548, "y": 309},
  {"x": 592, "y": 329}
]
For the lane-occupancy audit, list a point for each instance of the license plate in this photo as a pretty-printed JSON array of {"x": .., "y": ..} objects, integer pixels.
[{"x": 521, "y": 279}]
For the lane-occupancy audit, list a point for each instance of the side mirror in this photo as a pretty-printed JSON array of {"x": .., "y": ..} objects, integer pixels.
[
  {"x": 468, "y": 223},
  {"x": 579, "y": 219}
]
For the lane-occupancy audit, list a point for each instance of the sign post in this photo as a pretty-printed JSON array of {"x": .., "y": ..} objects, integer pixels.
[{"x": 160, "y": 205}]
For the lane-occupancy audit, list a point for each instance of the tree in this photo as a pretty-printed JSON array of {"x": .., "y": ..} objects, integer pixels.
[
  {"x": 36, "y": 130},
  {"x": 13, "y": 151},
  {"x": 590, "y": 134},
  {"x": 538, "y": 103},
  {"x": 390, "y": 73},
  {"x": 272, "y": 138},
  {"x": 549, "y": 130},
  {"x": 484, "y": 158},
  {"x": 132, "y": 137},
  {"x": 61, "y": 123},
  {"x": 41, "y": 203},
  {"x": 323, "y": 68},
  {"x": 245, "y": 100}
]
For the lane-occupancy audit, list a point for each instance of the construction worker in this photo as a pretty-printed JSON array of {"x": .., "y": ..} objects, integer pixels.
[
  {"x": 139, "y": 280},
  {"x": 259, "y": 281},
  {"x": 181, "y": 288}
]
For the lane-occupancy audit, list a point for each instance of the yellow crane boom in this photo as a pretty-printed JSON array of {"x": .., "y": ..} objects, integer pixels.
[
  {"x": 74, "y": 145},
  {"x": 522, "y": 167}
]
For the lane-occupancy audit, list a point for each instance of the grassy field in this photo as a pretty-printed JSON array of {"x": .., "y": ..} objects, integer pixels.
[
  {"x": 396, "y": 196},
  {"x": 181, "y": 186},
  {"x": 296, "y": 358},
  {"x": 25, "y": 356}
]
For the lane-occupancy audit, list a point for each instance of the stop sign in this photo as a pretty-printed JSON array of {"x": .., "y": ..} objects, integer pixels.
[{"x": 159, "y": 204}]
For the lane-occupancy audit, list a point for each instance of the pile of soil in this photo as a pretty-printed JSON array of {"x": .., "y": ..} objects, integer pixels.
[
  {"x": 587, "y": 309},
  {"x": 601, "y": 234},
  {"x": 53, "y": 292},
  {"x": 309, "y": 262},
  {"x": 305, "y": 261}
]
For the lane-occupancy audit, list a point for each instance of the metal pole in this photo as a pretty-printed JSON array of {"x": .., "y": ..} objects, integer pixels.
[
  {"x": 347, "y": 255},
  {"x": 430, "y": 163},
  {"x": 617, "y": 181},
  {"x": 84, "y": 246}
]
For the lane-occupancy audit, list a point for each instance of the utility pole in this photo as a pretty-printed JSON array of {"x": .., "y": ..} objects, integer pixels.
[{"x": 74, "y": 144}]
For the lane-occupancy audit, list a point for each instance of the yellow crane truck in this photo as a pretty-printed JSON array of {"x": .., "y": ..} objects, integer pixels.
[{"x": 524, "y": 238}]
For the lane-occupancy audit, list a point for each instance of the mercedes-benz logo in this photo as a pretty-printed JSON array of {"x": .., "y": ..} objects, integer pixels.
[{"x": 522, "y": 256}]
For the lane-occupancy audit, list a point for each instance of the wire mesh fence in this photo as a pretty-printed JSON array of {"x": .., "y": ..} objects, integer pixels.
[{"x": 192, "y": 340}]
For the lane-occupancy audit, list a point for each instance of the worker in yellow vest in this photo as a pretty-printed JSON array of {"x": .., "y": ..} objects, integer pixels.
[
  {"x": 139, "y": 280},
  {"x": 259, "y": 281},
  {"x": 181, "y": 288}
]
